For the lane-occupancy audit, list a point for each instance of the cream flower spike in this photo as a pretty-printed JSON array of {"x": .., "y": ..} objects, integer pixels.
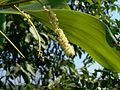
[{"x": 63, "y": 41}]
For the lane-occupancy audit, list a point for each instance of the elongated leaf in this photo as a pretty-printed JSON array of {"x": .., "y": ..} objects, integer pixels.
[
  {"x": 34, "y": 4},
  {"x": 87, "y": 32}
]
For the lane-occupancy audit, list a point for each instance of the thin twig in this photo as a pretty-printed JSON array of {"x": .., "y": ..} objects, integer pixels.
[
  {"x": 12, "y": 44},
  {"x": 31, "y": 24}
]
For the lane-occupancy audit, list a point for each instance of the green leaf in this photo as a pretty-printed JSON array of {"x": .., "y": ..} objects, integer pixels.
[
  {"x": 28, "y": 37},
  {"x": 57, "y": 4},
  {"x": 24, "y": 74},
  {"x": 8, "y": 3},
  {"x": 30, "y": 68},
  {"x": 28, "y": 87},
  {"x": 31, "y": 29},
  {"x": 2, "y": 27},
  {"x": 34, "y": 4},
  {"x": 2, "y": 21},
  {"x": 90, "y": 1},
  {"x": 113, "y": 8},
  {"x": 87, "y": 32}
]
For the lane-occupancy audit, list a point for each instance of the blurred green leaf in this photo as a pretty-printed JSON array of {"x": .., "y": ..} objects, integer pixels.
[
  {"x": 31, "y": 29},
  {"x": 30, "y": 68},
  {"x": 11, "y": 84},
  {"x": 113, "y": 8},
  {"x": 90, "y": 1},
  {"x": 24, "y": 73},
  {"x": 25, "y": 77},
  {"x": 1, "y": 40},
  {"x": 2, "y": 27},
  {"x": 28, "y": 87},
  {"x": 8, "y": 3},
  {"x": 28, "y": 37},
  {"x": 57, "y": 4},
  {"x": 2, "y": 21},
  {"x": 34, "y": 4},
  {"x": 87, "y": 32},
  {"x": 53, "y": 66},
  {"x": 118, "y": 23}
]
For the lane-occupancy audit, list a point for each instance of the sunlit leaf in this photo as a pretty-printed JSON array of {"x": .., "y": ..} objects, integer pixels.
[
  {"x": 87, "y": 32},
  {"x": 31, "y": 29},
  {"x": 34, "y": 4}
]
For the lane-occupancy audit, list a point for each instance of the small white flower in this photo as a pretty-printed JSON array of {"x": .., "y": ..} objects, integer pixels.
[{"x": 63, "y": 41}]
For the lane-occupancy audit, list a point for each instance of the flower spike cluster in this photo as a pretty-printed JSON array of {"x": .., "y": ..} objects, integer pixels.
[{"x": 63, "y": 41}]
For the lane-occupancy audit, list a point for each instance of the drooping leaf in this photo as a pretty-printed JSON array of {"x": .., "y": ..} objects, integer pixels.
[{"x": 87, "y": 32}]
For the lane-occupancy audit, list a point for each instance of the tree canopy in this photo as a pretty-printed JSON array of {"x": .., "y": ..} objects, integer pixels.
[{"x": 39, "y": 40}]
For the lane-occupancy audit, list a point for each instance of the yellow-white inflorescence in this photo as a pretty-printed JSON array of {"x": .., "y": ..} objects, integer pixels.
[{"x": 63, "y": 41}]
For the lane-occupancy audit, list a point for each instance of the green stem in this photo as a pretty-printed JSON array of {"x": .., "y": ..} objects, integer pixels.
[
  {"x": 12, "y": 44},
  {"x": 31, "y": 24}
]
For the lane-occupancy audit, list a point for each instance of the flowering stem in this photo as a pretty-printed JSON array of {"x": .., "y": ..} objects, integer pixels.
[
  {"x": 63, "y": 41},
  {"x": 32, "y": 25}
]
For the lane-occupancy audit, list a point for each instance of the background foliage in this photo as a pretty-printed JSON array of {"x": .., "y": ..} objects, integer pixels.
[{"x": 53, "y": 70}]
